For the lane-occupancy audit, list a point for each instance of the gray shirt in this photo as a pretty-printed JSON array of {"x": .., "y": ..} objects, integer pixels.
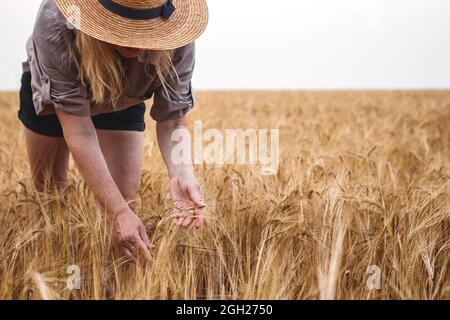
[{"x": 55, "y": 81}]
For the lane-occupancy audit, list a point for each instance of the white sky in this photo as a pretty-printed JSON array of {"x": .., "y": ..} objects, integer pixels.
[{"x": 294, "y": 44}]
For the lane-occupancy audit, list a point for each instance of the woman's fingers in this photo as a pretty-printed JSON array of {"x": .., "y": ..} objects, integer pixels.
[
  {"x": 199, "y": 218},
  {"x": 193, "y": 201},
  {"x": 135, "y": 248},
  {"x": 187, "y": 221},
  {"x": 183, "y": 221},
  {"x": 126, "y": 253},
  {"x": 196, "y": 197},
  {"x": 144, "y": 236},
  {"x": 141, "y": 249},
  {"x": 178, "y": 221}
]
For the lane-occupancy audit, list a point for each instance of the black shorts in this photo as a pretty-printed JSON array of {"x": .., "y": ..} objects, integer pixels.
[{"x": 130, "y": 119}]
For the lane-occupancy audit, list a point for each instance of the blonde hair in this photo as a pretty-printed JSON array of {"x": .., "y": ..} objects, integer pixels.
[{"x": 100, "y": 68}]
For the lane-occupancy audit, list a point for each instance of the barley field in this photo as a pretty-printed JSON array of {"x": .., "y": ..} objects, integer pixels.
[{"x": 359, "y": 208}]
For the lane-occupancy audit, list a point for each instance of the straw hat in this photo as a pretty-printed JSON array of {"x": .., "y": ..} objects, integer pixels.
[{"x": 145, "y": 24}]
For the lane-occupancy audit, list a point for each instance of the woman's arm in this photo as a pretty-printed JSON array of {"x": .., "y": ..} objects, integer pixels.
[
  {"x": 81, "y": 138},
  {"x": 186, "y": 192},
  {"x": 165, "y": 132}
]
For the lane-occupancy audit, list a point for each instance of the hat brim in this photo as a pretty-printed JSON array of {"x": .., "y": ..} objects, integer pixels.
[{"x": 186, "y": 24}]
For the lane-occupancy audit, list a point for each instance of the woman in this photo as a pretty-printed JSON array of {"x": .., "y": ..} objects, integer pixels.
[{"x": 91, "y": 65}]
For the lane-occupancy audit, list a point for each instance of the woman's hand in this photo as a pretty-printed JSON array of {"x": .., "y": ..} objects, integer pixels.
[
  {"x": 133, "y": 240},
  {"x": 187, "y": 195}
]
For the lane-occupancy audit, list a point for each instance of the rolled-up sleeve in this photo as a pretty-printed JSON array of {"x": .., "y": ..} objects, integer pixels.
[
  {"x": 57, "y": 91},
  {"x": 55, "y": 83},
  {"x": 174, "y": 104}
]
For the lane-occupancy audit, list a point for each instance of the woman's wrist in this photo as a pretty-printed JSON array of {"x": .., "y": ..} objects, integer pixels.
[
  {"x": 181, "y": 171},
  {"x": 116, "y": 212}
]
